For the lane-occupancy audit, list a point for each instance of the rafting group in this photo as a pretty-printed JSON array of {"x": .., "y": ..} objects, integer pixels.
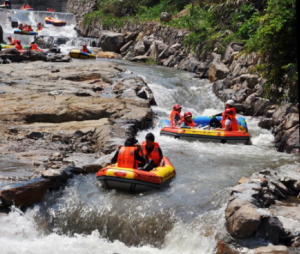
[
  {"x": 12, "y": 42},
  {"x": 137, "y": 168}
]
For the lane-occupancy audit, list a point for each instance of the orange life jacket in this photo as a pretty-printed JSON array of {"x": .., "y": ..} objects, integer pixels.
[
  {"x": 234, "y": 113},
  {"x": 234, "y": 124},
  {"x": 27, "y": 6},
  {"x": 40, "y": 27},
  {"x": 154, "y": 154},
  {"x": 23, "y": 7},
  {"x": 34, "y": 46},
  {"x": 84, "y": 50},
  {"x": 191, "y": 123},
  {"x": 29, "y": 29},
  {"x": 19, "y": 47},
  {"x": 12, "y": 41},
  {"x": 20, "y": 27},
  {"x": 126, "y": 157},
  {"x": 172, "y": 117}
]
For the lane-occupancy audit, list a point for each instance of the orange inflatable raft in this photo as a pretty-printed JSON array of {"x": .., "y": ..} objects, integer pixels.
[{"x": 136, "y": 180}]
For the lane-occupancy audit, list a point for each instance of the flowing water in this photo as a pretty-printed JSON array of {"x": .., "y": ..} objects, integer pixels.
[{"x": 187, "y": 217}]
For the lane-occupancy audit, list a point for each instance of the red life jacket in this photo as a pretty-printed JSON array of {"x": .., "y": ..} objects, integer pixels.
[
  {"x": 191, "y": 123},
  {"x": 154, "y": 154},
  {"x": 84, "y": 50},
  {"x": 12, "y": 41},
  {"x": 172, "y": 117},
  {"x": 234, "y": 124},
  {"x": 19, "y": 47},
  {"x": 234, "y": 113},
  {"x": 27, "y": 6},
  {"x": 33, "y": 46},
  {"x": 40, "y": 27},
  {"x": 23, "y": 7},
  {"x": 126, "y": 157}
]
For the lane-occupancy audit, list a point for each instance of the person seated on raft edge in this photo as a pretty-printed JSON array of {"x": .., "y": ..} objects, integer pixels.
[
  {"x": 152, "y": 152},
  {"x": 128, "y": 156},
  {"x": 188, "y": 121},
  {"x": 11, "y": 40},
  {"x": 175, "y": 117},
  {"x": 23, "y": 7},
  {"x": 40, "y": 27},
  {"x": 33, "y": 46},
  {"x": 229, "y": 123},
  {"x": 18, "y": 45},
  {"x": 228, "y": 105},
  {"x": 29, "y": 28},
  {"x": 85, "y": 49},
  {"x": 27, "y": 6}
]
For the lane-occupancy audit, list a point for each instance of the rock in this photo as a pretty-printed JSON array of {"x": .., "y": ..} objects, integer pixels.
[
  {"x": 139, "y": 49},
  {"x": 126, "y": 46},
  {"x": 111, "y": 41},
  {"x": 240, "y": 108},
  {"x": 270, "y": 229},
  {"x": 224, "y": 248},
  {"x": 266, "y": 123},
  {"x": 170, "y": 51},
  {"x": 280, "y": 113},
  {"x": 25, "y": 194},
  {"x": 271, "y": 249},
  {"x": 130, "y": 37},
  {"x": 35, "y": 135},
  {"x": 140, "y": 58},
  {"x": 1, "y": 34},
  {"x": 234, "y": 205},
  {"x": 91, "y": 168},
  {"x": 12, "y": 130},
  {"x": 58, "y": 178},
  {"x": 290, "y": 140},
  {"x": 56, "y": 157},
  {"x": 256, "y": 105},
  {"x": 217, "y": 69},
  {"x": 283, "y": 189},
  {"x": 165, "y": 17},
  {"x": 244, "y": 222},
  {"x": 153, "y": 52},
  {"x": 59, "y": 58},
  {"x": 130, "y": 54},
  {"x": 55, "y": 49},
  {"x": 108, "y": 54},
  {"x": 12, "y": 54},
  {"x": 296, "y": 186},
  {"x": 33, "y": 55},
  {"x": 291, "y": 120}
]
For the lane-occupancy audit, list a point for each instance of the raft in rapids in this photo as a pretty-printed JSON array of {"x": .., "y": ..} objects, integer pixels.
[
  {"x": 75, "y": 53},
  {"x": 207, "y": 135},
  {"x": 135, "y": 180}
]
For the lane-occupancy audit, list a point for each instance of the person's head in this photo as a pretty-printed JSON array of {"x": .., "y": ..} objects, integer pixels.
[
  {"x": 26, "y": 25},
  {"x": 131, "y": 141},
  {"x": 177, "y": 107},
  {"x": 229, "y": 104},
  {"x": 149, "y": 139},
  {"x": 228, "y": 112},
  {"x": 47, "y": 9},
  {"x": 19, "y": 41},
  {"x": 84, "y": 46},
  {"x": 23, "y": 4},
  {"x": 9, "y": 37},
  {"x": 32, "y": 42},
  {"x": 39, "y": 23},
  {"x": 29, "y": 26},
  {"x": 188, "y": 116}
]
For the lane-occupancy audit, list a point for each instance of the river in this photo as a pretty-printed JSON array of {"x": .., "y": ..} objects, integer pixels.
[{"x": 187, "y": 217}]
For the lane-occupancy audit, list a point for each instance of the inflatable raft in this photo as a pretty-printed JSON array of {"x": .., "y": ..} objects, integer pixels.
[
  {"x": 6, "y": 46},
  {"x": 55, "y": 22},
  {"x": 18, "y": 31},
  {"x": 77, "y": 54},
  {"x": 205, "y": 134},
  {"x": 135, "y": 180}
]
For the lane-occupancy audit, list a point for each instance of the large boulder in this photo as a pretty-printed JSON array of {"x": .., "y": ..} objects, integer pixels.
[
  {"x": 33, "y": 55},
  {"x": 12, "y": 54},
  {"x": 290, "y": 140},
  {"x": 25, "y": 194},
  {"x": 291, "y": 120},
  {"x": 153, "y": 51},
  {"x": 111, "y": 41},
  {"x": 126, "y": 46},
  {"x": 108, "y": 54},
  {"x": 270, "y": 229},
  {"x": 165, "y": 17},
  {"x": 217, "y": 69},
  {"x": 244, "y": 222},
  {"x": 139, "y": 49}
]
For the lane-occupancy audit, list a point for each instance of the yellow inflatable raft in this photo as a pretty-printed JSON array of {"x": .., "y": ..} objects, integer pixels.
[{"x": 77, "y": 54}]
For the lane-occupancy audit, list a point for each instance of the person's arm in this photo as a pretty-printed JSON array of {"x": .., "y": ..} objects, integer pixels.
[
  {"x": 184, "y": 125},
  {"x": 177, "y": 120},
  {"x": 90, "y": 52},
  {"x": 138, "y": 157},
  {"x": 115, "y": 158},
  {"x": 161, "y": 161},
  {"x": 227, "y": 126},
  {"x": 220, "y": 114}
]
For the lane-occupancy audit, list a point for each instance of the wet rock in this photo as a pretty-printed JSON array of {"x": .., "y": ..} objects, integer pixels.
[
  {"x": 296, "y": 185},
  {"x": 59, "y": 58},
  {"x": 58, "y": 178},
  {"x": 153, "y": 52},
  {"x": 256, "y": 105},
  {"x": 111, "y": 41},
  {"x": 12, "y": 130},
  {"x": 217, "y": 69},
  {"x": 165, "y": 17},
  {"x": 140, "y": 58},
  {"x": 291, "y": 120},
  {"x": 234, "y": 205},
  {"x": 83, "y": 93},
  {"x": 56, "y": 157},
  {"x": 92, "y": 168},
  {"x": 283, "y": 189},
  {"x": 224, "y": 248},
  {"x": 130, "y": 54},
  {"x": 35, "y": 135},
  {"x": 270, "y": 229},
  {"x": 266, "y": 123},
  {"x": 25, "y": 194},
  {"x": 139, "y": 49},
  {"x": 54, "y": 49},
  {"x": 107, "y": 54},
  {"x": 12, "y": 55},
  {"x": 244, "y": 222},
  {"x": 271, "y": 249},
  {"x": 130, "y": 36},
  {"x": 33, "y": 55},
  {"x": 126, "y": 46},
  {"x": 240, "y": 108},
  {"x": 290, "y": 140}
]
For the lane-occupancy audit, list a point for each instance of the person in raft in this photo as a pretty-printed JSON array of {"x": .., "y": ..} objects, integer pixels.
[
  {"x": 40, "y": 27},
  {"x": 85, "y": 49},
  {"x": 11, "y": 40},
  {"x": 228, "y": 105},
  {"x": 129, "y": 155},
  {"x": 27, "y": 6},
  {"x": 187, "y": 122},
  {"x": 29, "y": 28},
  {"x": 23, "y": 7},
  {"x": 229, "y": 122},
  {"x": 152, "y": 152},
  {"x": 18, "y": 45},
  {"x": 175, "y": 117},
  {"x": 33, "y": 46}
]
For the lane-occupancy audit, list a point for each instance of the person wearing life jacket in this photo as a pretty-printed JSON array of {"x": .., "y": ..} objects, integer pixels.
[
  {"x": 20, "y": 27},
  {"x": 229, "y": 123},
  {"x": 27, "y": 6},
  {"x": 40, "y": 27},
  {"x": 18, "y": 45},
  {"x": 33, "y": 46},
  {"x": 228, "y": 105},
  {"x": 187, "y": 121},
  {"x": 51, "y": 10},
  {"x": 152, "y": 152},
  {"x": 25, "y": 27},
  {"x": 175, "y": 117},
  {"x": 85, "y": 49},
  {"x": 11, "y": 40},
  {"x": 23, "y": 7},
  {"x": 29, "y": 28},
  {"x": 129, "y": 155},
  {"x": 47, "y": 9}
]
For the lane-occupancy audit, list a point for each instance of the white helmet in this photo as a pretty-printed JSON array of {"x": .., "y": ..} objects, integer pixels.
[{"x": 230, "y": 102}]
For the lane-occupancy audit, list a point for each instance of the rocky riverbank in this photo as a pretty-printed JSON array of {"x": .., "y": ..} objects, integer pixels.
[
  {"x": 58, "y": 118},
  {"x": 262, "y": 213}
]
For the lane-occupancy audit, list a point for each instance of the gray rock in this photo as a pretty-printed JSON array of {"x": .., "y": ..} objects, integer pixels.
[
  {"x": 92, "y": 168},
  {"x": 217, "y": 69},
  {"x": 291, "y": 120},
  {"x": 271, "y": 249},
  {"x": 234, "y": 205},
  {"x": 126, "y": 46},
  {"x": 153, "y": 52},
  {"x": 130, "y": 37},
  {"x": 140, "y": 58},
  {"x": 280, "y": 113},
  {"x": 139, "y": 49},
  {"x": 244, "y": 222},
  {"x": 266, "y": 123},
  {"x": 290, "y": 140},
  {"x": 35, "y": 135},
  {"x": 110, "y": 41},
  {"x": 130, "y": 54},
  {"x": 165, "y": 17}
]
